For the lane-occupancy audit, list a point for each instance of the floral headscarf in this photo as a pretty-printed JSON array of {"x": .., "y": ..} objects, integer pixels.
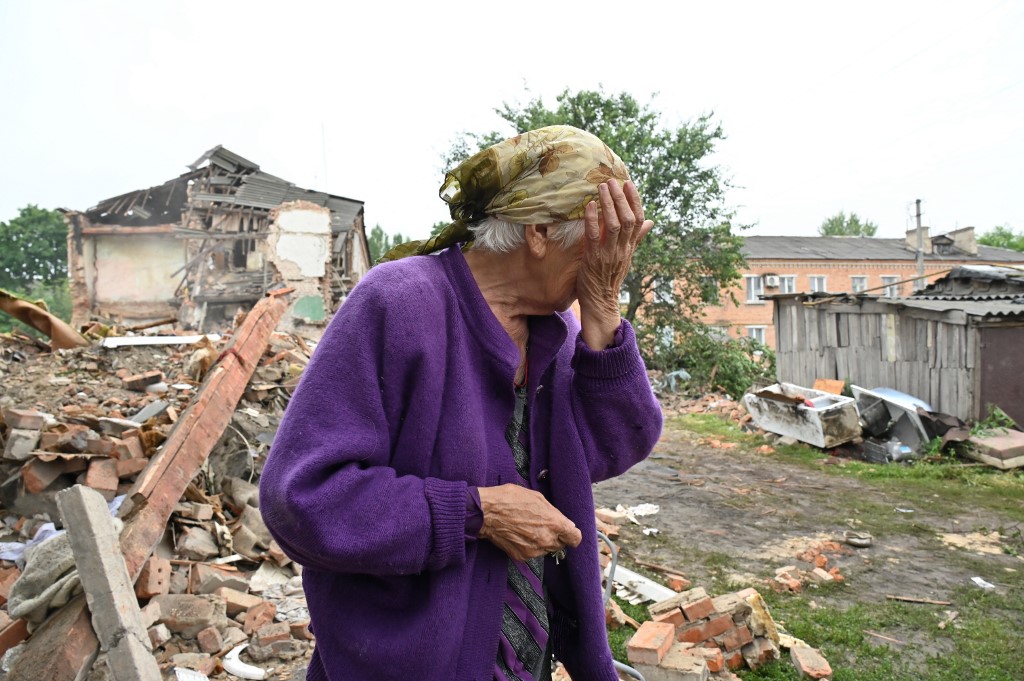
[{"x": 541, "y": 176}]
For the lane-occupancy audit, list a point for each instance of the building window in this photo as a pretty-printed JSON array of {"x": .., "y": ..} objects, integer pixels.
[
  {"x": 710, "y": 291},
  {"x": 719, "y": 332},
  {"x": 787, "y": 283},
  {"x": 756, "y": 333},
  {"x": 858, "y": 284},
  {"x": 664, "y": 292},
  {"x": 892, "y": 288},
  {"x": 818, "y": 284},
  {"x": 755, "y": 288}
]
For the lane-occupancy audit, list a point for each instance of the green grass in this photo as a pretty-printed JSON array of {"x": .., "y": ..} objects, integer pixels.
[
  {"x": 984, "y": 642},
  {"x": 944, "y": 487}
]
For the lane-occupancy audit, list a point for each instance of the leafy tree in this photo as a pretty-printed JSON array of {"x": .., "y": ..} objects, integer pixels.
[
  {"x": 842, "y": 224},
  {"x": 1003, "y": 237},
  {"x": 438, "y": 226},
  {"x": 380, "y": 242},
  {"x": 693, "y": 240},
  {"x": 33, "y": 262},
  {"x": 34, "y": 248}
]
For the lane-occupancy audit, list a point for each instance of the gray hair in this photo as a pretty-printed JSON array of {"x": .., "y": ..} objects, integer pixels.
[{"x": 500, "y": 236}]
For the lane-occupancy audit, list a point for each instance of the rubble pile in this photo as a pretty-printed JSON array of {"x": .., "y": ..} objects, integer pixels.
[
  {"x": 694, "y": 637},
  {"x": 216, "y": 582}
]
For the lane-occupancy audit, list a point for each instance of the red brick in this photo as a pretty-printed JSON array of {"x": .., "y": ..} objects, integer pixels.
[
  {"x": 674, "y": 617},
  {"x": 677, "y": 582},
  {"x": 26, "y": 419},
  {"x": 650, "y": 643},
  {"x": 140, "y": 381},
  {"x": 273, "y": 632},
  {"x": 258, "y": 615},
  {"x": 13, "y": 634},
  {"x": 300, "y": 630},
  {"x": 677, "y": 601},
  {"x": 126, "y": 468},
  {"x": 809, "y": 663},
  {"x": 49, "y": 440},
  {"x": 702, "y": 631},
  {"x": 684, "y": 662},
  {"x": 698, "y": 609},
  {"x": 38, "y": 474},
  {"x": 102, "y": 477},
  {"x": 210, "y": 640},
  {"x": 734, "y": 659},
  {"x": 735, "y": 638},
  {"x": 235, "y": 600},
  {"x": 8, "y": 576},
  {"x": 713, "y": 657},
  {"x": 154, "y": 579},
  {"x": 100, "y": 446},
  {"x": 759, "y": 652}
]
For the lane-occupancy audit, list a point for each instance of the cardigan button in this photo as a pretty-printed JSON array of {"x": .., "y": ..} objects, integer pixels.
[{"x": 543, "y": 474}]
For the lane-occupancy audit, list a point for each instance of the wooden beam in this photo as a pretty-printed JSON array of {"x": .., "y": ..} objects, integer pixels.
[{"x": 157, "y": 490}]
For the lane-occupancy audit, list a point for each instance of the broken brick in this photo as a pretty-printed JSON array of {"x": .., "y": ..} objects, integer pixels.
[
  {"x": 809, "y": 663},
  {"x": 703, "y": 631},
  {"x": 155, "y": 578},
  {"x": 759, "y": 652},
  {"x": 138, "y": 382},
  {"x": 649, "y": 644},
  {"x": 210, "y": 640},
  {"x": 38, "y": 474},
  {"x": 735, "y": 638},
  {"x": 126, "y": 468},
  {"x": 20, "y": 443},
  {"x": 236, "y": 601},
  {"x": 26, "y": 419},
  {"x": 275, "y": 631},
  {"x": 102, "y": 477},
  {"x": 258, "y": 615}
]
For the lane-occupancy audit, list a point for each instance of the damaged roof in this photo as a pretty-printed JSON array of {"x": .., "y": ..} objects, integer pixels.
[
  {"x": 229, "y": 181},
  {"x": 857, "y": 248}
]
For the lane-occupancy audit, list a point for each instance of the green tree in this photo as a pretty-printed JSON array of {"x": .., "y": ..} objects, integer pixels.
[
  {"x": 380, "y": 242},
  {"x": 35, "y": 248},
  {"x": 1003, "y": 237},
  {"x": 842, "y": 224},
  {"x": 33, "y": 262},
  {"x": 693, "y": 240}
]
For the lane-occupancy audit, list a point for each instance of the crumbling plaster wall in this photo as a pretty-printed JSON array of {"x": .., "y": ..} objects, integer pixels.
[
  {"x": 298, "y": 247},
  {"x": 136, "y": 268}
]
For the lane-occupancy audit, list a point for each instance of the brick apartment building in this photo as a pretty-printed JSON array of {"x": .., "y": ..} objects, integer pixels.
[{"x": 799, "y": 264}]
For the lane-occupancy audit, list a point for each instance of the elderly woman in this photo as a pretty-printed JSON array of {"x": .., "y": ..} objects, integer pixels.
[{"x": 433, "y": 471}]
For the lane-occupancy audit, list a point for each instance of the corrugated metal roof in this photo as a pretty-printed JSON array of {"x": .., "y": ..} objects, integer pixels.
[
  {"x": 974, "y": 308},
  {"x": 856, "y": 248}
]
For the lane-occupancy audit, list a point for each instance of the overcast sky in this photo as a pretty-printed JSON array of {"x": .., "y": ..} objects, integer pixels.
[{"x": 827, "y": 106}]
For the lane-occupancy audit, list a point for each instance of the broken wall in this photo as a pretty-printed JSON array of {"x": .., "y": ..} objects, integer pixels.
[{"x": 299, "y": 249}]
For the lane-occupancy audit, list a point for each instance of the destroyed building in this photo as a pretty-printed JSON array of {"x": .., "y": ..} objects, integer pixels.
[
  {"x": 200, "y": 247},
  {"x": 953, "y": 344}
]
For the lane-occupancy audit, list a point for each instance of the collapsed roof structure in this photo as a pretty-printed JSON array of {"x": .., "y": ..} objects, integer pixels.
[{"x": 211, "y": 241}]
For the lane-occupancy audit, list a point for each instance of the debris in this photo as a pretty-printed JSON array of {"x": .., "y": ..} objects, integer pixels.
[
  {"x": 115, "y": 611},
  {"x": 950, "y": 615},
  {"x": 812, "y": 416},
  {"x": 61, "y": 335},
  {"x": 860, "y": 540},
  {"x": 128, "y": 341},
  {"x": 809, "y": 663},
  {"x": 635, "y": 588},
  {"x": 235, "y": 667},
  {"x": 982, "y": 583},
  {"x": 885, "y": 638},
  {"x": 908, "y": 599},
  {"x": 1004, "y": 450},
  {"x": 829, "y": 385}
]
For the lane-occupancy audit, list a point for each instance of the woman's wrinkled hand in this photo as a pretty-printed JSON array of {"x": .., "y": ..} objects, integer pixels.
[
  {"x": 522, "y": 523},
  {"x": 611, "y": 237}
]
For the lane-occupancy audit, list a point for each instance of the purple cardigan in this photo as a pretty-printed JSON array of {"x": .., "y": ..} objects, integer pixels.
[{"x": 404, "y": 405}]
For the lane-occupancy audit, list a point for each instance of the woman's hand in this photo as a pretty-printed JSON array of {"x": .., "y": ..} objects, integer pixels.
[
  {"x": 522, "y": 523},
  {"x": 610, "y": 240}
]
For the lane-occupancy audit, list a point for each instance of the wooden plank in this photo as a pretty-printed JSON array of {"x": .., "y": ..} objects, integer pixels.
[
  {"x": 158, "y": 489},
  {"x": 843, "y": 329}
]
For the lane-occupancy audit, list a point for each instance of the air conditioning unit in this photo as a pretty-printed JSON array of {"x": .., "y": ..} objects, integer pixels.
[{"x": 771, "y": 281}]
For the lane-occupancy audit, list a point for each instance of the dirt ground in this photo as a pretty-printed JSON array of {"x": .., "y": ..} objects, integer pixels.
[{"x": 734, "y": 515}]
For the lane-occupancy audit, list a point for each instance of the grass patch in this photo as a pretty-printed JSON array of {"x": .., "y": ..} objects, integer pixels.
[
  {"x": 944, "y": 485},
  {"x": 620, "y": 637}
]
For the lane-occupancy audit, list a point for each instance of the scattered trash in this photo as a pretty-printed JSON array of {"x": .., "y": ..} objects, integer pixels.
[
  {"x": 634, "y": 512},
  {"x": 904, "y": 510},
  {"x": 861, "y": 540},
  {"x": 950, "y": 615},
  {"x": 650, "y": 531},
  {"x": 816, "y": 417},
  {"x": 235, "y": 667},
  {"x": 983, "y": 584}
]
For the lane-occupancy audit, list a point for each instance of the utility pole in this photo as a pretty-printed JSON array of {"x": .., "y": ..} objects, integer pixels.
[{"x": 920, "y": 283}]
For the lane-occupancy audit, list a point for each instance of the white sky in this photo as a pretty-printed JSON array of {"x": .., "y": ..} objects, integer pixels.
[{"x": 827, "y": 106}]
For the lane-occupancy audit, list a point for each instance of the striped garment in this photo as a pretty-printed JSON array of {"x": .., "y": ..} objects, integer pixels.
[{"x": 524, "y": 624}]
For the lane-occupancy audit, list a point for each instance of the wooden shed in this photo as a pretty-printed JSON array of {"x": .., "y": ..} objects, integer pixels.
[{"x": 959, "y": 353}]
